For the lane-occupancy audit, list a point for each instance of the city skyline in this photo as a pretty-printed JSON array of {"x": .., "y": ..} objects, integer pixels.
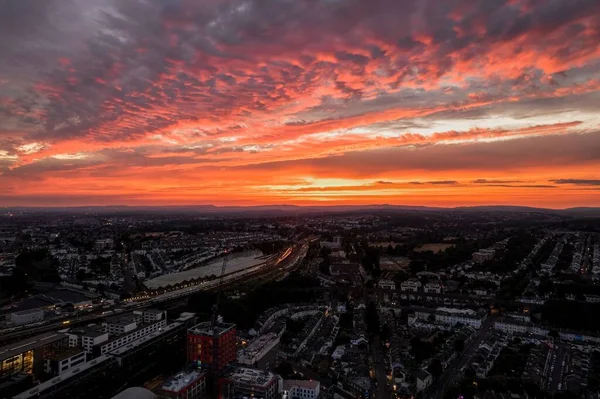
[{"x": 435, "y": 103}]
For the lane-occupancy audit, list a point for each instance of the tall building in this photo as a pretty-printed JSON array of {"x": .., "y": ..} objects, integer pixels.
[{"x": 201, "y": 342}]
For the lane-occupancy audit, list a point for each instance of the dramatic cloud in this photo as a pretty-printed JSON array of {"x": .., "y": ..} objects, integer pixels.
[
  {"x": 256, "y": 101},
  {"x": 577, "y": 182}
]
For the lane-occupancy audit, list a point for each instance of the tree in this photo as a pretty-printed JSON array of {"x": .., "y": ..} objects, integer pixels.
[
  {"x": 81, "y": 275},
  {"x": 285, "y": 369},
  {"x": 459, "y": 345},
  {"x": 435, "y": 368}
]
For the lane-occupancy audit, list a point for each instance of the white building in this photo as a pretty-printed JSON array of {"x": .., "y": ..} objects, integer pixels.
[
  {"x": 386, "y": 285},
  {"x": 131, "y": 336},
  {"x": 258, "y": 349},
  {"x": 455, "y": 316},
  {"x": 58, "y": 364},
  {"x": 513, "y": 326},
  {"x": 433, "y": 288},
  {"x": 301, "y": 389},
  {"x": 26, "y": 317},
  {"x": 484, "y": 255},
  {"x": 410, "y": 285}
]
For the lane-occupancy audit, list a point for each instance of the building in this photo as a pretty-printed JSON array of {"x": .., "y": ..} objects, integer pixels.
[
  {"x": 135, "y": 393},
  {"x": 123, "y": 323},
  {"x": 410, "y": 285},
  {"x": 483, "y": 255},
  {"x": 97, "y": 340},
  {"x": 205, "y": 342},
  {"x": 26, "y": 317},
  {"x": 423, "y": 380},
  {"x": 13, "y": 384},
  {"x": 301, "y": 389},
  {"x": 87, "y": 337},
  {"x": 453, "y": 316},
  {"x": 152, "y": 315},
  {"x": 59, "y": 363},
  {"x": 345, "y": 270},
  {"x": 386, "y": 285},
  {"x": 239, "y": 382},
  {"x": 433, "y": 288},
  {"x": 260, "y": 351},
  {"x": 166, "y": 341},
  {"x": 134, "y": 364},
  {"x": 28, "y": 356},
  {"x": 512, "y": 326},
  {"x": 87, "y": 380},
  {"x": 103, "y": 244},
  {"x": 185, "y": 385}
]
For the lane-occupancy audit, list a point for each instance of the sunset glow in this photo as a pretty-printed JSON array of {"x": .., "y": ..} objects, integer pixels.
[{"x": 227, "y": 102}]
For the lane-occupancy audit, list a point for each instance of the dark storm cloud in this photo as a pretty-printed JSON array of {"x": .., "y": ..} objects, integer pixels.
[
  {"x": 577, "y": 182},
  {"x": 507, "y": 156},
  {"x": 486, "y": 181}
]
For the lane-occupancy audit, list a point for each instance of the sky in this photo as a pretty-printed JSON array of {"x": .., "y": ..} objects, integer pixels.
[{"x": 226, "y": 102}]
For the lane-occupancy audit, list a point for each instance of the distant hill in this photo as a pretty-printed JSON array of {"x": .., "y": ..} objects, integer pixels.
[{"x": 284, "y": 209}]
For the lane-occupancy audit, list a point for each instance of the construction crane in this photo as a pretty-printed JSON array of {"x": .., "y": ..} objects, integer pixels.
[
  {"x": 215, "y": 314},
  {"x": 213, "y": 323}
]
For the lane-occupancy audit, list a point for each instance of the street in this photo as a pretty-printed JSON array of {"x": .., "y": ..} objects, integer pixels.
[
  {"x": 448, "y": 377},
  {"x": 380, "y": 373}
]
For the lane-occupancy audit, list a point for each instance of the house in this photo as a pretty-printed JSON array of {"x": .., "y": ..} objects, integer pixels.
[
  {"x": 424, "y": 380},
  {"x": 410, "y": 285}
]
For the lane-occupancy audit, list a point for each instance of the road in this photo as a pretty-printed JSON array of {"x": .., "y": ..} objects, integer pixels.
[
  {"x": 449, "y": 376},
  {"x": 559, "y": 355},
  {"x": 383, "y": 391}
]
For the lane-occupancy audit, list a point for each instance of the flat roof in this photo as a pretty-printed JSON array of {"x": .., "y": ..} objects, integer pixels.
[
  {"x": 307, "y": 384},
  {"x": 182, "y": 380},
  {"x": 17, "y": 348},
  {"x": 137, "y": 328},
  {"x": 66, "y": 354},
  {"x": 123, "y": 349},
  {"x": 154, "y": 311},
  {"x": 29, "y": 311},
  {"x": 205, "y": 328},
  {"x": 124, "y": 319},
  {"x": 234, "y": 264},
  {"x": 90, "y": 331},
  {"x": 69, "y": 373},
  {"x": 250, "y": 376}
]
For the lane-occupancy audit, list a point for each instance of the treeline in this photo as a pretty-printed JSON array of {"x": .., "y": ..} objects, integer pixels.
[{"x": 572, "y": 315}]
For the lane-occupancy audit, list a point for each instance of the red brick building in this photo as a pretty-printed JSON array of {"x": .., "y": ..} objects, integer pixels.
[{"x": 200, "y": 345}]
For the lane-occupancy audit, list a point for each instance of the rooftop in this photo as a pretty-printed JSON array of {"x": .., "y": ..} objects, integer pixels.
[
  {"x": 66, "y": 354},
  {"x": 251, "y": 376},
  {"x": 135, "y": 393},
  {"x": 205, "y": 328},
  {"x": 182, "y": 380},
  {"x": 146, "y": 338},
  {"x": 29, "y": 344},
  {"x": 124, "y": 319},
  {"x": 306, "y": 384},
  {"x": 153, "y": 311},
  {"x": 90, "y": 331},
  {"x": 69, "y": 373}
]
